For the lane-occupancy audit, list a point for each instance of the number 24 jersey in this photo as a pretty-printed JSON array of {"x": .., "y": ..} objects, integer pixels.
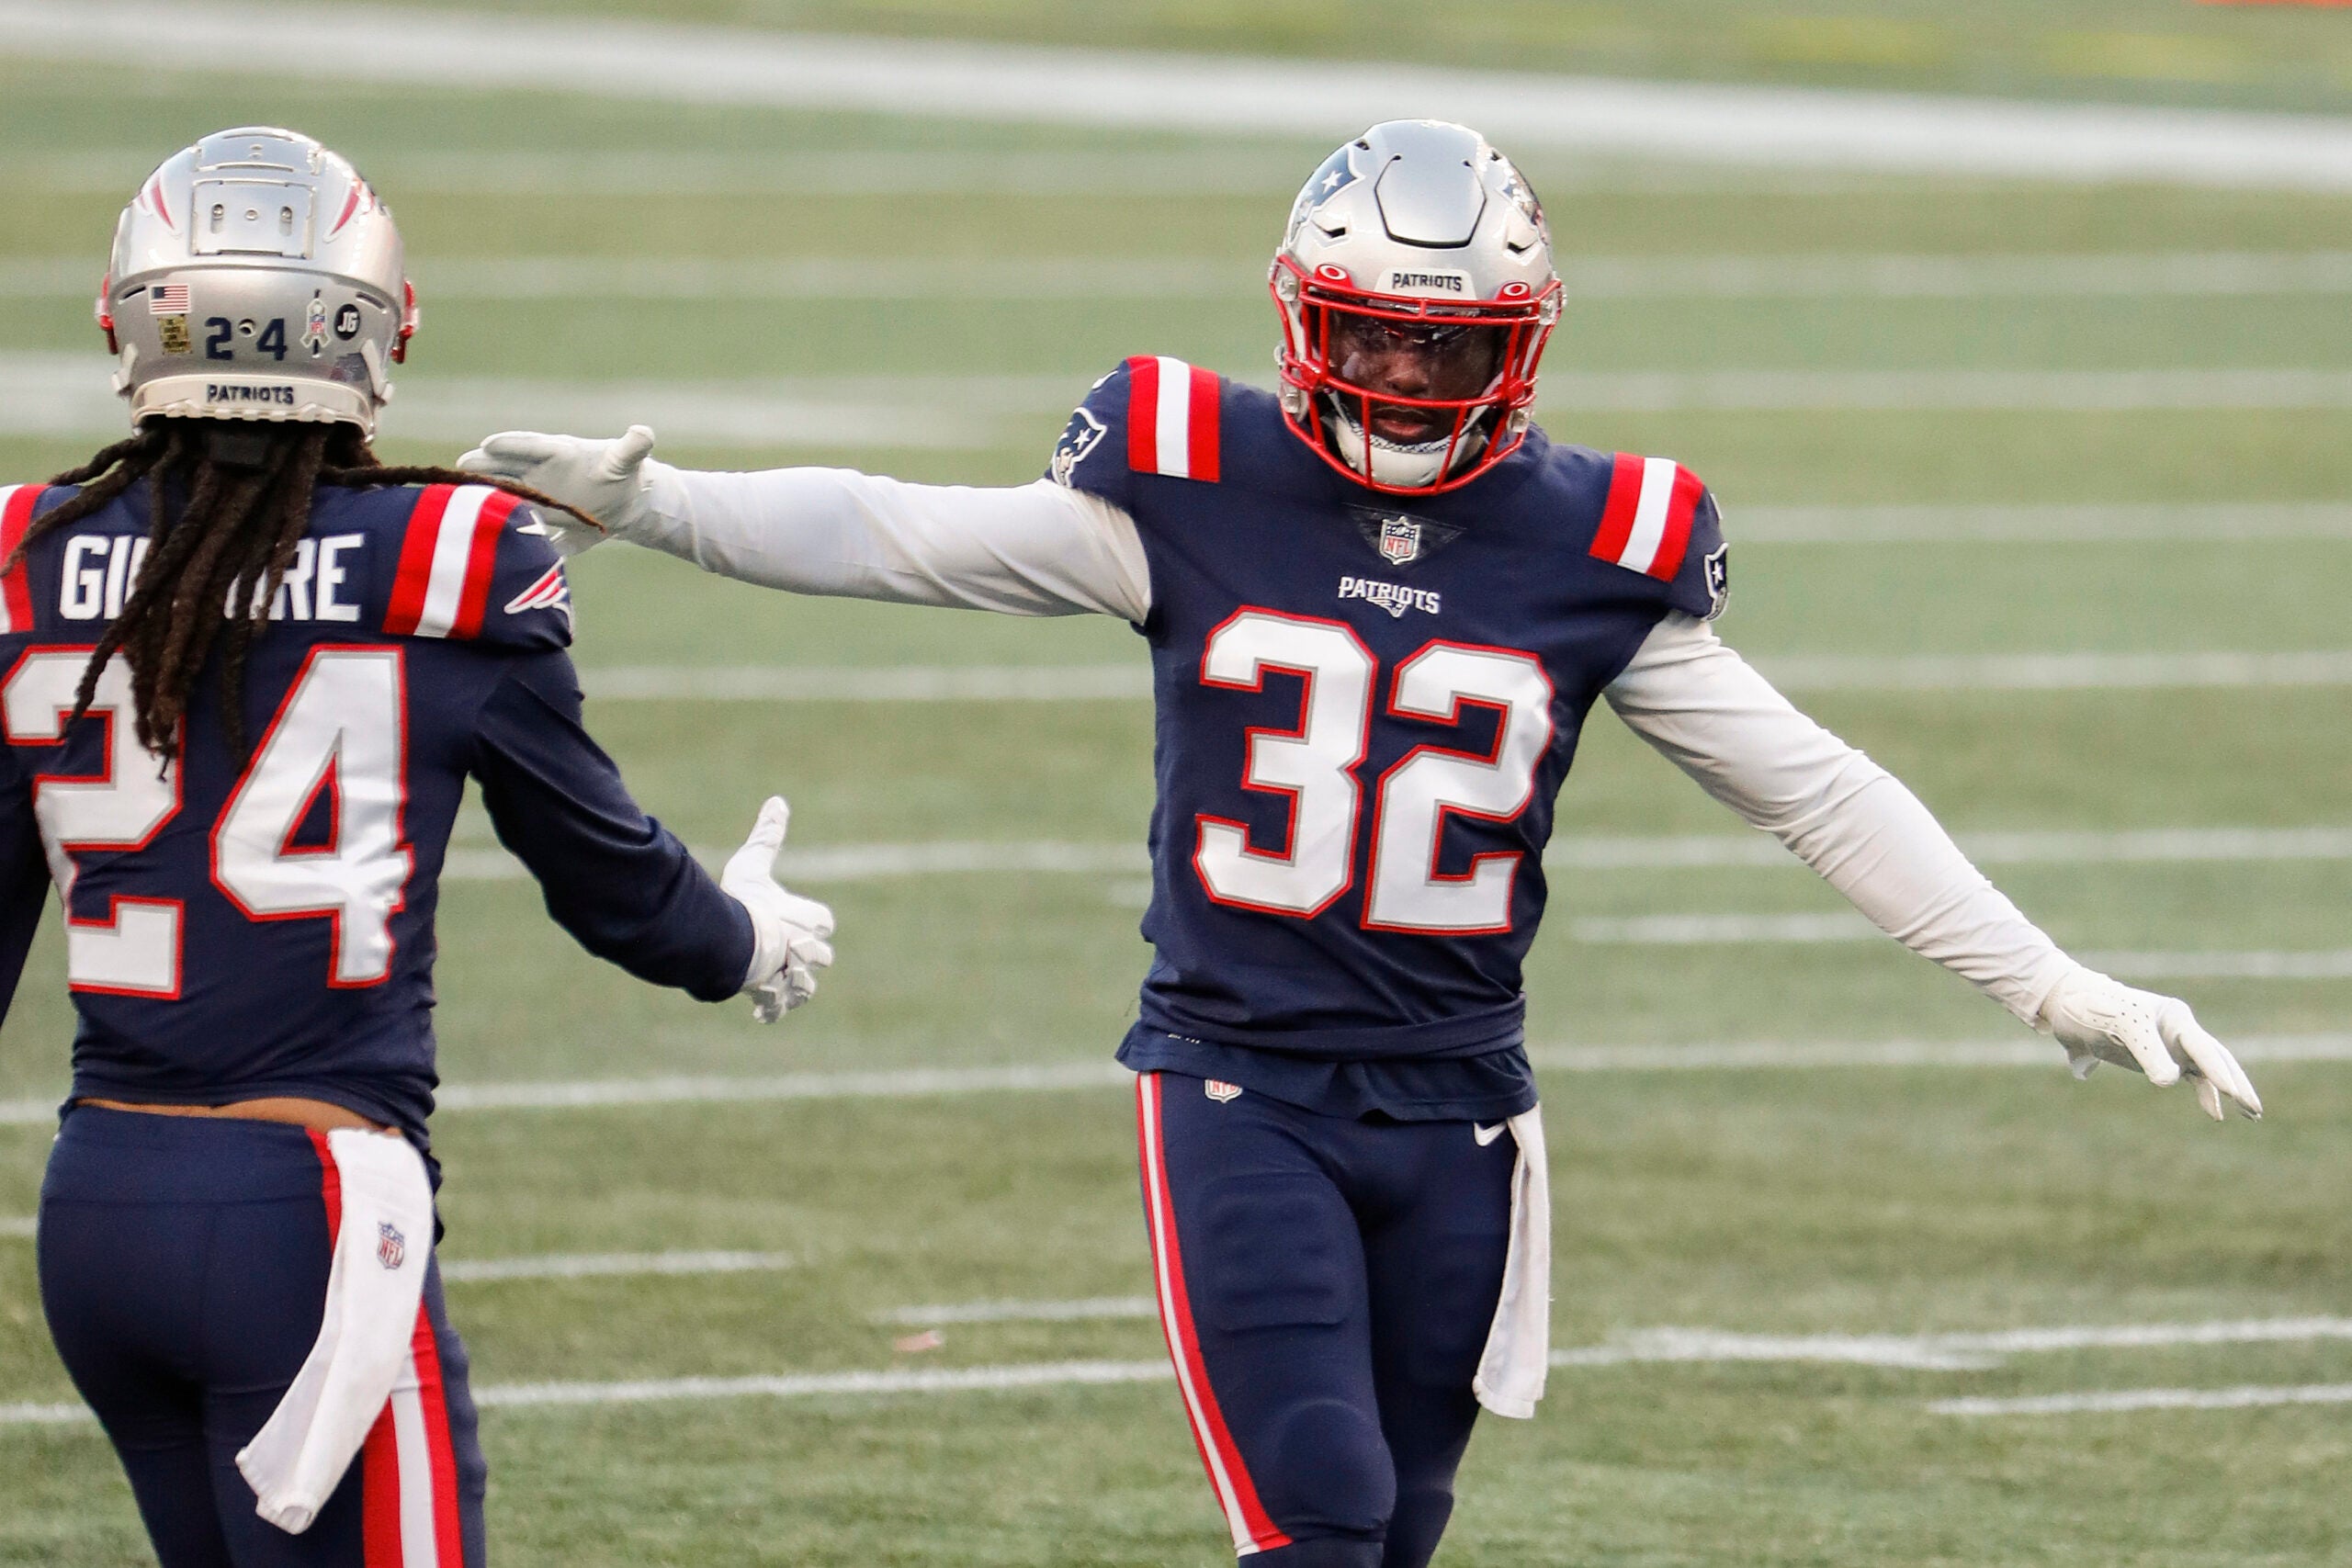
[
  {"x": 1366, "y": 704},
  {"x": 238, "y": 928}
]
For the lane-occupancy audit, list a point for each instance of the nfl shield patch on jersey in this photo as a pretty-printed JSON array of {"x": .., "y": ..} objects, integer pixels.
[
  {"x": 1399, "y": 538},
  {"x": 391, "y": 1246}
]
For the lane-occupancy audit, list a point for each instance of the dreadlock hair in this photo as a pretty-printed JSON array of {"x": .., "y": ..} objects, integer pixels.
[{"x": 213, "y": 565}]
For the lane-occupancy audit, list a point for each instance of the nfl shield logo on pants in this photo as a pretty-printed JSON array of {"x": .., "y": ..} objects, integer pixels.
[
  {"x": 391, "y": 1246},
  {"x": 1400, "y": 540},
  {"x": 1221, "y": 1091}
]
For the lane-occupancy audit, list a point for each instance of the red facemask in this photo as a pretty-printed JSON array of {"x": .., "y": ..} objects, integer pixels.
[{"x": 1446, "y": 377}]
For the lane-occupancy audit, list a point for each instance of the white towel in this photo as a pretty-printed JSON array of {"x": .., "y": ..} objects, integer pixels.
[
  {"x": 1517, "y": 1354},
  {"x": 374, "y": 1285}
]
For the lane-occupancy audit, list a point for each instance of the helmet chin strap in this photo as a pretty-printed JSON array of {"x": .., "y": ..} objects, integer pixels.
[{"x": 1415, "y": 467}]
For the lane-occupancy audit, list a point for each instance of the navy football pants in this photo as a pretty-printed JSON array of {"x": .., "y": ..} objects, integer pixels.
[
  {"x": 1326, "y": 1286},
  {"x": 184, "y": 1271}
]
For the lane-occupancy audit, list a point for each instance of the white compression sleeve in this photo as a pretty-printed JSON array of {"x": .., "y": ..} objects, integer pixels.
[
  {"x": 1718, "y": 720},
  {"x": 1034, "y": 549}
]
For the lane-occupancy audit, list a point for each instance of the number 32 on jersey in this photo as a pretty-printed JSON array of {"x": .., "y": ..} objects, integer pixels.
[{"x": 1315, "y": 765}]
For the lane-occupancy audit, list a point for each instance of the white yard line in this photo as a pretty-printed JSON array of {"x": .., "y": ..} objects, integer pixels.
[
  {"x": 1794, "y": 672},
  {"x": 66, "y": 395},
  {"x": 870, "y": 862},
  {"x": 2226, "y": 522},
  {"x": 2113, "y": 1401},
  {"x": 609, "y": 1265},
  {"x": 1693, "y": 931},
  {"x": 691, "y": 171},
  {"x": 1799, "y": 1056},
  {"x": 1945, "y": 390},
  {"x": 1846, "y": 926},
  {"x": 880, "y": 683},
  {"x": 1937, "y": 1352},
  {"x": 1087, "y": 1309},
  {"x": 2153, "y": 846},
  {"x": 2054, "y": 671},
  {"x": 583, "y": 1094},
  {"x": 1934, "y": 1352},
  {"x": 1826, "y": 275},
  {"x": 31, "y": 1415},
  {"x": 1768, "y": 127},
  {"x": 803, "y": 1385},
  {"x": 2292, "y": 964},
  {"x": 786, "y": 1385}
]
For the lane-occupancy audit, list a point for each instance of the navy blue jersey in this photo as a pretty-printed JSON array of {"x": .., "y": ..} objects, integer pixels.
[
  {"x": 266, "y": 928},
  {"x": 1366, "y": 704}
]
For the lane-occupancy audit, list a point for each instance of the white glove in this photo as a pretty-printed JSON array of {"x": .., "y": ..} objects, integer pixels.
[
  {"x": 2101, "y": 1020},
  {"x": 789, "y": 933},
  {"x": 606, "y": 479}
]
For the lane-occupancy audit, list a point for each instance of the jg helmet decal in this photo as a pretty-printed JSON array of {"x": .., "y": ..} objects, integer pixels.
[{"x": 256, "y": 276}]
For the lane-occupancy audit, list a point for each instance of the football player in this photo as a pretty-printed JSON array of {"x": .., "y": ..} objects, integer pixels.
[
  {"x": 247, "y": 673},
  {"x": 1380, "y": 604}
]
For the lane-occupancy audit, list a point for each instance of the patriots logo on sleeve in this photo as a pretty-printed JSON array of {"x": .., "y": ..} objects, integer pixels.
[
  {"x": 1079, "y": 438},
  {"x": 549, "y": 593}
]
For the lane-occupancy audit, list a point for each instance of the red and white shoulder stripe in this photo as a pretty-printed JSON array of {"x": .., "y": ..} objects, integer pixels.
[
  {"x": 1645, "y": 526},
  {"x": 1171, "y": 418},
  {"x": 447, "y": 561},
  {"x": 17, "y": 505}
]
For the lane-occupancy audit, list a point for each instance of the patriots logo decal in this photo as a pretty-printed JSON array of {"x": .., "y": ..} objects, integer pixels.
[
  {"x": 1079, "y": 438},
  {"x": 549, "y": 593},
  {"x": 1336, "y": 174}
]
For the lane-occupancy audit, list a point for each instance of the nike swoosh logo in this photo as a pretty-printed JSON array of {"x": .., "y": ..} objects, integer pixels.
[{"x": 1487, "y": 1135}]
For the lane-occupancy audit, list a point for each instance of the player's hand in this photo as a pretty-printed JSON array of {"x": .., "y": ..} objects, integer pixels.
[
  {"x": 2100, "y": 1020},
  {"x": 790, "y": 934},
  {"x": 606, "y": 479}
]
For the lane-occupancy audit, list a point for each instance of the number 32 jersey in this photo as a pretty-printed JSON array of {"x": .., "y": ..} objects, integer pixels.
[
  {"x": 1366, "y": 704},
  {"x": 237, "y": 929}
]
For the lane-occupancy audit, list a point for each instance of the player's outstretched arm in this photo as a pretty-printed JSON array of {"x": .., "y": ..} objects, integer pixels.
[
  {"x": 1709, "y": 712},
  {"x": 1034, "y": 549},
  {"x": 619, "y": 882}
]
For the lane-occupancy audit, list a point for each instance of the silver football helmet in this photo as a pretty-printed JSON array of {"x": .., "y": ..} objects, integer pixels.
[
  {"x": 256, "y": 276},
  {"x": 1421, "y": 230}
]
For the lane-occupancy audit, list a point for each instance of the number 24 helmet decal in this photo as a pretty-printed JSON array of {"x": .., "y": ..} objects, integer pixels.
[
  {"x": 1416, "y": 232},
  {"x": 255, "y": 275}
]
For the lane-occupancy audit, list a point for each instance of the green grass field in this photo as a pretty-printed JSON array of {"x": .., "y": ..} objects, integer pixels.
[{"x": 1866, "y": 1201}]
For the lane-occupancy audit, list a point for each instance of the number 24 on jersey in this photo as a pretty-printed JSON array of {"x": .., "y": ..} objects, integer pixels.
[{"x": 338, "y": 734}]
